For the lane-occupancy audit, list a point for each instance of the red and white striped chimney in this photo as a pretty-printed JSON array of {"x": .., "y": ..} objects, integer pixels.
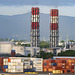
[
  {"x": 35, "y": 27},
  {"x": 54, "y": 32}
]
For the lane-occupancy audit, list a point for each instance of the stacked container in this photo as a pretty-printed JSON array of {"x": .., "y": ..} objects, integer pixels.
[
  {"x": 52, "y": 66},
  {"x": 70, "y": 66},
  {"x": 12, "y": 65},
  {"x": 5, "y": 64},
  {"x": 27, "y": 66},
  {"x": 58, "y": 66},
  {"x": 37, "y": 64},
  {"x": 12, "y": 53},
  {"x": 1, "y": 62}
]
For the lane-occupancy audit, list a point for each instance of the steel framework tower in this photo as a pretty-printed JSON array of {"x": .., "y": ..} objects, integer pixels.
[
  {"x": 35, "y": 27},
  {"x": 54, "y": 32}
]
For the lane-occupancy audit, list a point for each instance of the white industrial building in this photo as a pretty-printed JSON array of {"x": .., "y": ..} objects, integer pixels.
[
  {"x": 19, "y": 49},
  {"x": 32, "y": 51},
  {"x": 6, "y": 47}
]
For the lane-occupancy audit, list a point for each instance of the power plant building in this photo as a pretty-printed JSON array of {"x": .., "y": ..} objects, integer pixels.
[
  {"x": 35, "y": 27},
  {"x": 54, "y": 29}
]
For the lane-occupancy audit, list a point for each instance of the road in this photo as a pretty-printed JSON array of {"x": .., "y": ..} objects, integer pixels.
[{"x": 32, "y": 74}]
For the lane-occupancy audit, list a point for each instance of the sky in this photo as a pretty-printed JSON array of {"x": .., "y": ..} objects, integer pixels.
[{"x": 16, "y": 7}]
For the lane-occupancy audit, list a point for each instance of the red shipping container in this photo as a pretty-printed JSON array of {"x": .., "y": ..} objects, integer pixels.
[
  {"x": 63, "y": 61},
  {"x": 59, "y": 64},
  {"x": 65, "y": 71},
  {"x": 53, "y": 61},
  {"x": 72, "y": 71}
]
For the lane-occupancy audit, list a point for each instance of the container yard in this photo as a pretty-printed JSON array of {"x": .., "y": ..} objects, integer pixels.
[{"x": 23, "y": 65}]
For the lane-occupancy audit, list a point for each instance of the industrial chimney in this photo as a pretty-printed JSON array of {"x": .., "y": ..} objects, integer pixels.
[
  {"x": 54, "y": 29},
  {"x": 35, "y": 27}
]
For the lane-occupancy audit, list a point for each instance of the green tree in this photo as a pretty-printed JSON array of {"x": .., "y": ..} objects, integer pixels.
[
  {"x": 71, "y": 41},
  {"x": 67, "y": 53},
  {"x": 44, "y": 44},
  {"x": 26, "y": 45},
  {"x": 44, "y": 55},
  {"x": 62, "y": 41},
  {"x": 28, "y": 55}
]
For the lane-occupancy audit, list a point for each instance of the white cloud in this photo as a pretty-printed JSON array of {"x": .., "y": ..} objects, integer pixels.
[{"x": 15, "y": 10}]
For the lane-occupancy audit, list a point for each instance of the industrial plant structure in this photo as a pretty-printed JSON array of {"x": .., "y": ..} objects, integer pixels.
[
  {"x": 54, "y": 29},
  {"x": 35, "y": 27}
]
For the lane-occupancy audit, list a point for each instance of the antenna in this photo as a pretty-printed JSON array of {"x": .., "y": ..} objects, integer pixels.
[{"x": 67, "y": 37}]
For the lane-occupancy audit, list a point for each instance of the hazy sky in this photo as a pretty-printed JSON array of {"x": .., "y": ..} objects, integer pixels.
[{"x": 15, "y": 7}]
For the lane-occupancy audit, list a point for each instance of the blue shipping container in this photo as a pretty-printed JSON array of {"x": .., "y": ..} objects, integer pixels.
[
  {"x": 0, "y": 67},
  {"x": 12, "y": 50},
  {"x": 4, "y": 66},
  {"x": 45, "y": 64},
  {"x": 54, "y": 64},
  {"x": 51, "y": 58},
  {"x": 28, "y": 70}
]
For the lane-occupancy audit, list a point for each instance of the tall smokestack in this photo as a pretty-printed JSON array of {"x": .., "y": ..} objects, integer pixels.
[
  {"x": 54, "y": 32},
  {"x": 35, "y": 27}
]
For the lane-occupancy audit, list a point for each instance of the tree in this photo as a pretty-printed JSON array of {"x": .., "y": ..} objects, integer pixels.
[
  {"x": 44, "y": 44},
  {"x": 28, "y": 55},
  {"x": 44, "y": 55},
  {"x": 71, "y": 41},
  {"x": 26, "y": 45},
  {"x": 62, "y": 41},
  {"x": 67, "y": 53}
]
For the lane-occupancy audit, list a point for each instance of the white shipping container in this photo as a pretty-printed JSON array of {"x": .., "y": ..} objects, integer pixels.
[
  {"x": 14, "y": 57},
  {"x": 9, "y": 63},
  {"x": 6, "y": 70},
  {"x": 13, "y": 71},
  {"x": 37, "y": 59},
  {"x": 5, "y": 63},
  {"x": 11, "y": 67},
  {"x": 12, "y": 60},
  {"x": 26, "y": 67},
  {"x": 25, "y": 60},
  {"x": 37, "y": 64},
  {"x": 17, "y": 60},
  {"x": 19, "y": 70},
  {"x": 5, "y": 60},
  {"x": 9, "y": 70},
  {"x": 19, "y": 67},
  {"x": 13, "y": 64},
  {"x": 19, "y": 64},
  {"x": 38, "y": 69}
]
